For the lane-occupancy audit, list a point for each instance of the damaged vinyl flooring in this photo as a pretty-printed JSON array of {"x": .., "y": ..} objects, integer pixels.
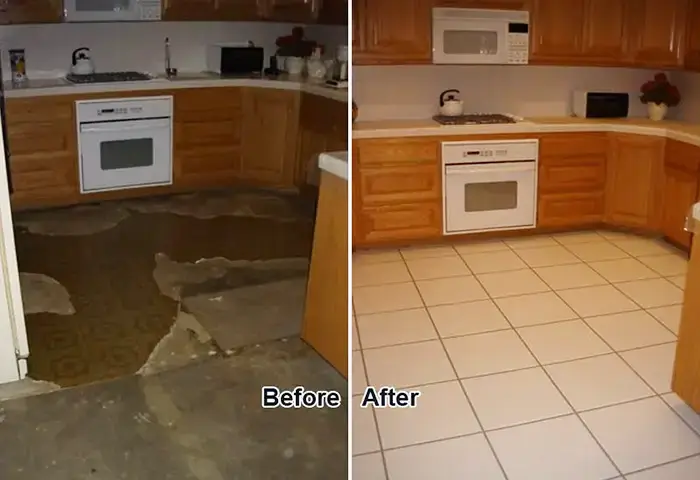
[{"x": 143, "y": 286}]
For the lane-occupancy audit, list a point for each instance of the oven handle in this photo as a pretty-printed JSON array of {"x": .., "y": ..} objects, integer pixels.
[
  {"x": 105, "y": 127},
  {"x": 490, "y": 168}
]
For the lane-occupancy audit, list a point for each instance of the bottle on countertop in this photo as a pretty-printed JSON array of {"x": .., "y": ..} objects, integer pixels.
[{"x": 18, "y": 65}]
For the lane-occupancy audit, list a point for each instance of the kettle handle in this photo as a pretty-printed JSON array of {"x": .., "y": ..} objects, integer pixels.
[
  {"x": 442, "y": 96},
  {"x": 76, "y": 52}
]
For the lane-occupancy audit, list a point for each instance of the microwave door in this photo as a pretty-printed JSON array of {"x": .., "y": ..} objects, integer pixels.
[
  {"x": 100, "y": 10},
  {"x": 466, "y": 42}
]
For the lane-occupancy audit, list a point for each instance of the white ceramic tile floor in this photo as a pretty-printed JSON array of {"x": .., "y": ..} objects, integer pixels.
[{"x": 472, "y": 328}]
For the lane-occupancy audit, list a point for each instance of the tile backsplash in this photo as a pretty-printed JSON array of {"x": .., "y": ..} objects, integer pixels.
[
  {"x": 411, "y": 92},
  {"x": 139, "y": 46}
]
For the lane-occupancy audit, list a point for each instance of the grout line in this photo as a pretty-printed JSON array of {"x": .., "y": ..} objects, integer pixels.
[{"x": 461, "y": 384}]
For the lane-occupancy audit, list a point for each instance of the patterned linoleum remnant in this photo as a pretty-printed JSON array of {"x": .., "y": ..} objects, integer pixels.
[
  {"x": 43, "y": 294},
  {"x": 25, "y": 388},
  {"x": 120, "y": 313},
  {"x": 79, "y": 220}
]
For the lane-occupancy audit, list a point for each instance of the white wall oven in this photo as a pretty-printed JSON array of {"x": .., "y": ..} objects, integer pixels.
[
  {"x": 489, "y": 186},
  {"x": 475, "y": 36},
  {"x": 125, "y": 143},
  {"x": 112, "y": 10}
]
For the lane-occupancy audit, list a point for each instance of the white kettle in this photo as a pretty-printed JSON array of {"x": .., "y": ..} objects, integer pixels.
[
  {"x": 450, "y": 105},
  {"x": 81, "y": 63}
]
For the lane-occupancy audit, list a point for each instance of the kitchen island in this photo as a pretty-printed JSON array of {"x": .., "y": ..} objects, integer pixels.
[{"x": 325, "y": 325}]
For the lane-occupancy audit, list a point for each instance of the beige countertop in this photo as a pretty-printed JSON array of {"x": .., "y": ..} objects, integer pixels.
[
  {"x": 60, "y": 86},
  {"x": 683, "y": 131}
]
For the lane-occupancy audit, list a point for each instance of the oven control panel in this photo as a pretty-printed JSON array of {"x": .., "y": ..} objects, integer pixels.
[
  {"x": 89, "y": 111},
  {"x": 489, "y": 152}
]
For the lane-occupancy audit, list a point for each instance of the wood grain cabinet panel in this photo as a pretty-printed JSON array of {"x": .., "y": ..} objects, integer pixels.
[
  {"x": 680, "y": 189},
  {"x": 405, "y": 184},
  {"x": 487, "y": 4},
  {"x": 193, "y": 10},
  {"x": 398, "y": 150},
  {"x": 635, "y": 173},
  {"x": 605, "y": 29},
  {"x": 692, "y": 45},
  {"x": 572, "y": 210},
  {"x": 392, "y": 34},
  {"x": 393, "y": 223},
  {"x": 269, "y": 136},
  {"x": 556, "y": 30},
  {"x": 657, "y": 33},
  {"x": 31, "y": 11}
]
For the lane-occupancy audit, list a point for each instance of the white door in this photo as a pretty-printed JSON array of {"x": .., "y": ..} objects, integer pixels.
[
  {"x": 120, "y": 155},
  {"x": 494, "y": 196},
  {"x": 13, "y": 333}
]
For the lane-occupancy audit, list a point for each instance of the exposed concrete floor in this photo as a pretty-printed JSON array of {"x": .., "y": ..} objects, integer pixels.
[
  {"x": 200, "y": 422},
  {"x": 106, "y": 257}
]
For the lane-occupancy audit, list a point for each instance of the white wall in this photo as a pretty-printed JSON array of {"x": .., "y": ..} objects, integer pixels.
[
  {"x": 139, "y": 46},
  {"x": 688, "y": 84},
  {"x": 411, "y": 92}
]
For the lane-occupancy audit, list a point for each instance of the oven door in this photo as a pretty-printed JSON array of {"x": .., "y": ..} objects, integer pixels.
[
  {"x": 486, "y": 197},
  {"x": 130, "y": 154},
  {"x": 101, "y": 10},
  {"x": 470, "y": 42}
]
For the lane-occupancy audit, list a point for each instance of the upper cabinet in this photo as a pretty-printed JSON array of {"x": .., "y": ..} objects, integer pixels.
[
  {"x": 489, "y": 4},
  {"x": 302, "y": 11},
  {"x": 292, "y": 10},
  {"x": 385, "y": 35},
  {"x": 657, "y": 32},
  {"x": 31, "y": 11},
  {"x": 605, "y": 29},
  {"x": 238, "y": 10},
  {"x": 175, "y": 10},
  {"x": 692, "y": 45},
  {"x": 334, "y": 12},
  {"x": 556, "y": 29}
]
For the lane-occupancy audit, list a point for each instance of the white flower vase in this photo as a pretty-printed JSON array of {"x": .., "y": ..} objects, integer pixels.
[{"x": 657, "y": 111}]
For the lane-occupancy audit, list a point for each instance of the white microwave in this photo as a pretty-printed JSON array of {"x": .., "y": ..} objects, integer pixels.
[
  {"x": 112, "y": 10},
  {"x": 477, "y": 36}
]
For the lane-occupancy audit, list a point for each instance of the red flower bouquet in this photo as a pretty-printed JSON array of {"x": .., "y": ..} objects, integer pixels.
[{"x": 660, "y": 91}]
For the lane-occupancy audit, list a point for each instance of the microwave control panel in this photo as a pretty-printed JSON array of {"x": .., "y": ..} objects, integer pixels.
[{"x": 518, "y": 43}]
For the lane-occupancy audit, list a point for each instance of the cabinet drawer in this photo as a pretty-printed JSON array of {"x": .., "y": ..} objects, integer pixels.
[
  {"x": 564, "y": 144},
  {"x": 204, "y": 133},
  {"x": 397, "y": 150},
  {"x": 38, "y": 109},
  {"x": 400, "y": 222},
  {"x": 572, "y": 173},
  {"x": 39, "y": 137},
  {"x": 399, "y": 184},
  {"x": 570, "y": 209}
]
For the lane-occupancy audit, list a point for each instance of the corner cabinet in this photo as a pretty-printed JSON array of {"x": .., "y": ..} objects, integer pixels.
[
  {"x": 692, "y": 45},
  {"x": 657, "y": 33},
  {"x": 269, "y": 135},
  {"x": 386, "y": 33},
  {"x": 633, "y": 192}
]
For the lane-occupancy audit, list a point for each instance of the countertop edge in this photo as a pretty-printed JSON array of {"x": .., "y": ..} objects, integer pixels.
[
  {"x": 163, "y": 84},
  {"x": 335, "y": 163},
  {"x": 529, "y": 127}
]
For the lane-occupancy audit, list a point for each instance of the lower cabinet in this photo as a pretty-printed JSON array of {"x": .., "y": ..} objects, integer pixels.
[
  {"x": 680, "y": 189},
  {"x": 269, "y": 136},
  {"x": 634, "y": 181},
  {"x": 397, "y": 189},
  {"x": 571, "y": 179}
]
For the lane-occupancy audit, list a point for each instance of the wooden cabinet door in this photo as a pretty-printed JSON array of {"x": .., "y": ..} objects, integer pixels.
[
  {"x": 692, "y": 45},
  {"x": 31, "y": 11},
  {"x": 657, "y": 33},
  {"x": 358, "y": 30},
  {"x": 392, "y": 35},
  {"x": 680, "y": 193},
  {"x": 293, "y": 10},
  {"x": 239, "y": 10},
  {"x": 605, "y": 31},
  {"x": 269, "y": 135},
  {"x": 334, "y": 12},
  {"x": 488, "y": 4},
  {"x": 179, "y": 10},
  {"x": 557, "y": 29},
  {"x": 634, "y": 169}
]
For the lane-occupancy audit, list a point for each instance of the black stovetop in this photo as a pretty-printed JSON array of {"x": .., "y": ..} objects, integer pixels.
[
  {"x": 473, "y": 119},
  {"x": 108, "y": 77}
]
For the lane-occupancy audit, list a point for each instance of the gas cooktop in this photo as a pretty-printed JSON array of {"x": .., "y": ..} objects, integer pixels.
[
  {"x": 108, "y": 77},
  {"x": 474, "y": 119}
]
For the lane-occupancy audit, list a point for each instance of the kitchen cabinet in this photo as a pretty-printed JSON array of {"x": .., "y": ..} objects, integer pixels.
[
  {"x": 385, "y": 35},
  {"x": 43, "y": 151},
  {"x": 238, "y": 10},
  {"x": 571, "y": 179},
  {"x": 207, "y": 137},
  {"x": 680, "y": 189},
  {"x": 269, "y": 136},
  {"x": 580, "y": 32},
  {"x": 292, "y": 10},
  {"x": 692, "y": 45},
  {"x": 487, "y": 4},
  {"x": 657, "y": 33},
  {"x": 193, "y": 10},
  {"x": 334, "y": 12},
  {"x": 398, "y": 189},
  {"x": 634, "y": 176},
  {"x": 323, "y": 127},
  {"x": 31, "y": 11}
]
